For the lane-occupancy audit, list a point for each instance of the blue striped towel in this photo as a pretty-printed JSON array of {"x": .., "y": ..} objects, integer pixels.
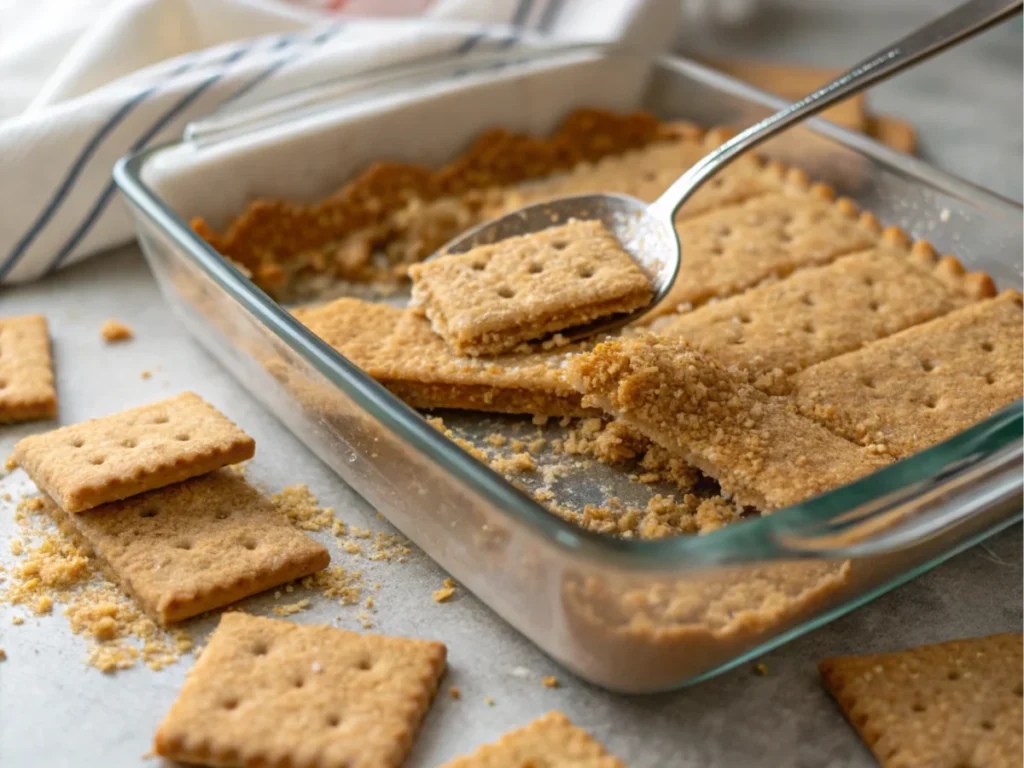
[{"x": 139, "y": 70}]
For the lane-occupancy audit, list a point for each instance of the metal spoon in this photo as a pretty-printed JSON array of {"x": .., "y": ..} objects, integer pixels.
[{"x": 646, "y": 231}]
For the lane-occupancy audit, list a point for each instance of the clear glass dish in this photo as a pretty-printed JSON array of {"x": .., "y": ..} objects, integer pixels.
[{"x": 630, "y": 615}]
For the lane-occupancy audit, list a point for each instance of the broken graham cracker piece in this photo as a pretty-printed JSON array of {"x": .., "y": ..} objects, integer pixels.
[
  {"x": 946, "y": 705},
  {"x": 551, "y": 740},
  {"x": 84, "y": 465},
  {"x": 27, "y": 390},
  {"x": 400, "y": 350},
  {"x": 923, "y": 385},
  {"x": 761, "y": 453},
  {"x": 196, "y": 545},
  {"x": 494, "y": 297},
  {"x": 818, "y": 313},
  {"x": 268, "y": 692},
  {"x": 731, "y": 249}
]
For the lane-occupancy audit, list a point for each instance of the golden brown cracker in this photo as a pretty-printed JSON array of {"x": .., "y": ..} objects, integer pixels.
[
  {"x": 732, "y": 249},
  {"x": 947, "y": 705},
  {"x": 27, "y": 390},
  {"x": 923, "y": 385},
  {"x": 761, "y": 453},
  {"x": 84, "y": 465},
  {"x": 406, "y": 356},
  {"x": 821, "y": 312},
  {"x": 551, "y": 740},
  {"x": 269, "y": 692},
  {"x": 196, "y": 545},
  {"x": 494, "y": 297},
  {"x": 898, "y": 134}
]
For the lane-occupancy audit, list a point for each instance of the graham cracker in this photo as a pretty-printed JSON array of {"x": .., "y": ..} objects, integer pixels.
[
  {"x": 793, "y": 82},
  {"x": 898, "y": 134},
  {"x": 84, "y": 465},
  {"x": 551, "y": 740},
  {"x": 494, "y": 297},
  {"x": 761, "y": 453},
  {"x": 818, "y": 313},
  {"x": 646, "y": 173},
  {"x": 731, "y": 249},
  {"x": 925, "y": 384},
  {"x": 196, "y": 545},
  {"x": 27, "y": 391},
  {"x": 269, "y": 692},
  {"x": 406, "y": 356},
  {"x": 947, "y": 705}
]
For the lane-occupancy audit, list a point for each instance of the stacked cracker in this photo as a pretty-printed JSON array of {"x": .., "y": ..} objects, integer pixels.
[{"x": 148, "y": 491}]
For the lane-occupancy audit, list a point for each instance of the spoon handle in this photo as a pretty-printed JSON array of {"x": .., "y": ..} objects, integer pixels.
[{"x": 959, "y": 24}]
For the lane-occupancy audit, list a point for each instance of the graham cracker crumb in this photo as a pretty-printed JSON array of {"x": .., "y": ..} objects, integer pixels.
[
  {"x": 517, "y": 462},
  {"x": 53, "y": 569},
  {"x": 445, "y": 593},
  {"x": 761, "y": 669},
  {"x": 146, "y": 375},
  {"x": 303, "y": 509},
  {"x": 489, "y": 701},
  {"x": 550, "y": 681},
  {"x": 3, "y": 657},
  {"x": 113, "y": 330},
  {"x": 292, "y": 608},
  {"x": 454, "y": 692}
]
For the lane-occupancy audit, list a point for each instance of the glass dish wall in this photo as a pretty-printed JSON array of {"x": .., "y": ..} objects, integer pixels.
[{"x": 633, "y": 616}]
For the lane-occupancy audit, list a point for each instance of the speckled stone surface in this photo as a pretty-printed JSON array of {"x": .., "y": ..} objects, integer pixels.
[{"x": 55, "y": 710}]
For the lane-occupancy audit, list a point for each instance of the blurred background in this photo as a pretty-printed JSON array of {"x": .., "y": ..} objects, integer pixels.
[{"x": 964, "y": 106}]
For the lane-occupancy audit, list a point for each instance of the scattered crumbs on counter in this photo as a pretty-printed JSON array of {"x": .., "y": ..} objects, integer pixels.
[
  {"x": 146, "y": 375},
  {"x": 3, "y": 657},
  {"x": 454, "y": 692},
  {"x": 292, "y": 608},
  {"x": 17, "y": 621},
  {"x": 550, "y": 681},
  {"x": 445, "y": 593},
  {"x": 114, "y": 330}
]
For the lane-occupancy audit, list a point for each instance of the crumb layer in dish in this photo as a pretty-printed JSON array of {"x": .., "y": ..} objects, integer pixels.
[
  {"x": 494, "y": 297},
  {"x": 761, "y": 453},
  {"x": 395, "y": 214},
  {"x": 924, "y": 385},
  {"x": 399, "y": 349},
  {"x": 778, "y": 329}
]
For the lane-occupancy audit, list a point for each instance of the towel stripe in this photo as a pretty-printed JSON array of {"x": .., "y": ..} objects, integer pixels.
[
  {"x": 550, "y": 16},
  {"x": 159, "y": 125},
  {"x": 281, "y": 62},
  {"x": 78, "y": 166}
]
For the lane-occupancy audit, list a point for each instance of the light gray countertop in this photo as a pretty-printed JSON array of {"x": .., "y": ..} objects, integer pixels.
[{"x": 56, "y": 711}]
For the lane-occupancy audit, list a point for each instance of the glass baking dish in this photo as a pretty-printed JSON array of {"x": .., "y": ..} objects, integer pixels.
[{"x": 630, "y": 615}]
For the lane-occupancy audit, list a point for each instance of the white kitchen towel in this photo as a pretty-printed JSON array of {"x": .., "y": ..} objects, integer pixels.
[{"x": 83, "y": 82}]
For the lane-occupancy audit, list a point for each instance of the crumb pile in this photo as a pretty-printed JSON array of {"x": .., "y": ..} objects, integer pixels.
[{"x": 52, "y": 571}]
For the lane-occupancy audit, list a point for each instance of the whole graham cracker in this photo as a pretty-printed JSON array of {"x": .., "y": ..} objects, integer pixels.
[
  {"x": 27, "y": 391},
  {"x": 761, "y": 453},
  {"x": 405, "y": 355},
  {"x": 919, "y": 387},
  {"x": 731, "y": 249},
  {"x": 269, "y": 692},
  {"x": 948, "y": 705},
  {"x": 494, "y": 297},
  {"x": 196, "y": 545},
  {"x": 818, "y": 313},
  {"x": 551, "y": 740},
  {"x": 84, "y": 465}
]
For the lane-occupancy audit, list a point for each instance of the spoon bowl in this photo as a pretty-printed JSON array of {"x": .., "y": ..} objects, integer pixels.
[{"x": 649, "y": 239}]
